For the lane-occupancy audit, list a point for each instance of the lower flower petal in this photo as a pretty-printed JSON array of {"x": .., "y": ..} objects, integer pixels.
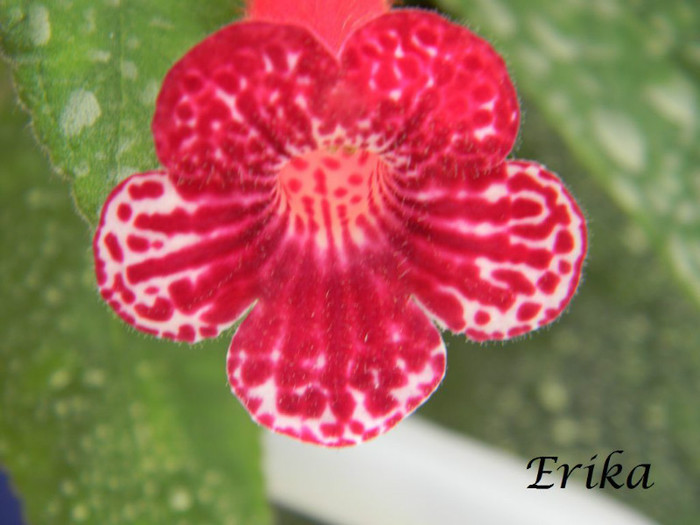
[
  {"x": 180, "y": 261},
  {"x": 337, "y": 355},
  {"x": 493, "y": 255}
]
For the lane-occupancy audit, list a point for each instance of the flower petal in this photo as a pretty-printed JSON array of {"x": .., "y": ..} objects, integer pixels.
[
  {"x": 243, "y": 101},
  {"x": 336, "y": 355},
  {"x": 179, "y": 260},
  {"x": 493, "y": 255},
  {"x": 426, "y": 92}
]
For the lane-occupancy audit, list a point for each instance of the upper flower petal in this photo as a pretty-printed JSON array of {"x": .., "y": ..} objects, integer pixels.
[
  {"x": 424, "y": 93},
  {"x": 334, "y": 352},
  {"x": 409, "y": 85},
  {"x": 181, "y": 260},
  {"x": 493, "y": 255},
  {"x": 244, "y": 100}
]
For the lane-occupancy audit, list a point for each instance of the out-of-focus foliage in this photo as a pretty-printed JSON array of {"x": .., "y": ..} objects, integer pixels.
[
  {"x": 613, "y": 92},
  {"x": 619, "y": 371},
  {"x": 619, "y": 80},
  {"x": 89, "y": 73},
  {"x": 99, "y": 424},
  {"x": 103, "y": 425}
]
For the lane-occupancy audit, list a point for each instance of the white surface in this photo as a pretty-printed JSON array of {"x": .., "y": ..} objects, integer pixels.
[{"x": 421, "y": 474}]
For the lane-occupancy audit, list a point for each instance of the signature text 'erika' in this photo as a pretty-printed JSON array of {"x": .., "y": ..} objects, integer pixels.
[{"x": 612, "y": 474}]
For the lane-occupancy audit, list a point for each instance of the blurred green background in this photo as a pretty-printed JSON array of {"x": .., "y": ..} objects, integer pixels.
[{"x": 99, "y": 424}]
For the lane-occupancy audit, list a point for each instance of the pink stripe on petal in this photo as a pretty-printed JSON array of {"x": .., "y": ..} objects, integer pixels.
[
  {"x": 493, "y": 255},
  {"x": 183, "y": 262},
  {"x": 244, "y": 100},
  {"x": 336, "y": 355},
  {"x": 426, "y": 93}
]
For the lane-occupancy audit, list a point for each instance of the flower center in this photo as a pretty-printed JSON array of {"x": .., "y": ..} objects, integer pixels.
[{"x": 332, "y": 195}]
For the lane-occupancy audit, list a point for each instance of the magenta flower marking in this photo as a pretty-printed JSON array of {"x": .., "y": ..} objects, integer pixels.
[{"x": 349, "y": 190}]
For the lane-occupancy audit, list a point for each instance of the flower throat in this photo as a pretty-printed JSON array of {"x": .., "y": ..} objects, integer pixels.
[{"x": 331, "y": 194}]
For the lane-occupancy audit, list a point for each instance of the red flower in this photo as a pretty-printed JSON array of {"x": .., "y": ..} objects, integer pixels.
[{"x": 342, "y": 176}]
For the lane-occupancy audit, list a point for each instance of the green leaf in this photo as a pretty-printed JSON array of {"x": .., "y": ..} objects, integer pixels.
[
  {"x": 620, "y": 81},
  {"x": 89, "y": 71},
  {"x": 97, "y": 424},
  {"x": 620, "y": 371}
]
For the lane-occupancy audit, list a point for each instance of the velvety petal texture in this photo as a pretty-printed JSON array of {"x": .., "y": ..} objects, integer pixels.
[
  {"x": 492, "y": 255},
  {"x": 335, "y": 352},
  {"x": 427, "y": 94},
  {"x": 179, "y": 259},
  {"x": 349, "y": 194},
  {"x": 243, "y": 102}
]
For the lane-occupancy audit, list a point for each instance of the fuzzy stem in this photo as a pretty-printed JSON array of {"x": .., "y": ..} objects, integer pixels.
[{"x": 331, "y": 20}]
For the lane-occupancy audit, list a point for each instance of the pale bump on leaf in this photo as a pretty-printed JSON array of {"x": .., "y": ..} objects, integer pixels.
[
  {"x": 86, "y": 72},
  {"x": 98, "y": 425}
]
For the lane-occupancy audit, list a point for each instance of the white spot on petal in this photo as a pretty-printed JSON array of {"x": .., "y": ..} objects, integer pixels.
[
  {"x": 620, "y": 138},
  {"x": 81, "y": 111},
  {"x": 39, "y": 25}
]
